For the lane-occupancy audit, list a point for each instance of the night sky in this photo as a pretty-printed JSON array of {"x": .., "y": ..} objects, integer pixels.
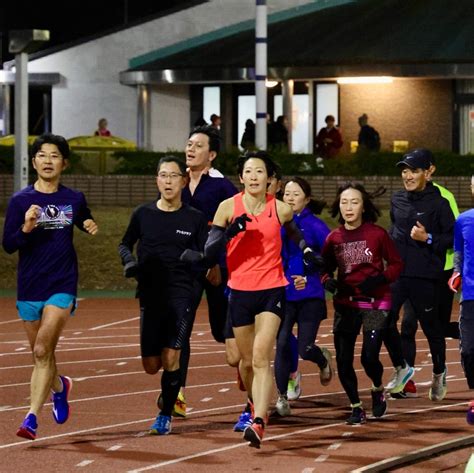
[{"x": 68, "y": 21}]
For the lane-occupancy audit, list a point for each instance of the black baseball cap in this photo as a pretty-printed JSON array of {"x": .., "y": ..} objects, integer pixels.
[{"x": 419, "y": 158}]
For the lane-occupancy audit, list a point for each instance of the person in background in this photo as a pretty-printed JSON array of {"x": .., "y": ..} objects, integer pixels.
[
  {"x": 305, "y": 299},
  {"x": 280, "y": 130},
  {"x": 102, "y": 128},
  {"x": 329, "y": 139},
  {"x": 248, "y": 138},
  {"x": 39, "y": 225},
  {"x": 215, "y": 121},
  {"x": 369, "y": 138},
  {"x": 162, "y": 230},
  {"x": 463, "y": 276},
  {"x": 367, "y": 262}
]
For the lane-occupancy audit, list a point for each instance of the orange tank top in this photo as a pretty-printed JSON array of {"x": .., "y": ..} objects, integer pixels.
[{"x": 254, "y": 256}]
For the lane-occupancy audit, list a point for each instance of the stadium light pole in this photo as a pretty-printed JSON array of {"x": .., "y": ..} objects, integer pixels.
[
  {"x": 22, "y": 43},
  {"x": 261, "y": 74}
]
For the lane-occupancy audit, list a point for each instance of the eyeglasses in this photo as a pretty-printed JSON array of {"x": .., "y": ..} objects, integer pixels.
[
  {"x": 172, "y": 175},
  {"x": 52, "y": 156}
]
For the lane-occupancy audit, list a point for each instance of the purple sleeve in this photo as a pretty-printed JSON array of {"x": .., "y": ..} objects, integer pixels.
[
  {"x": 83, "y": 213},
  {"x": 13, "y": 236}
]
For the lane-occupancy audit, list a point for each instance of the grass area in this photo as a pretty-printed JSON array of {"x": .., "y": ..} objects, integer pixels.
[{"x": 99, "y": 263}]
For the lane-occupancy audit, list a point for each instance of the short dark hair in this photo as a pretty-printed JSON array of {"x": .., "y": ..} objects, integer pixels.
[
  {"x": 270, "y": 165},
  {"x": 172, "y": 159},
  {"x": 314, "y": 205},
  {"x": 49, "y": 138},
  {"x": 212, "y": 134},
  {"x": 371, "y": 212},
  {"x": 329, "y": 117}
]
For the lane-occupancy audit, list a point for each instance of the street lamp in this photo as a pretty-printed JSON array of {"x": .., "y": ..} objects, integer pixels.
[{"x": 22, "y": 43}]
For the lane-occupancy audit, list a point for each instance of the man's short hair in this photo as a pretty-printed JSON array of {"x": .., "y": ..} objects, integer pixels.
[
  {"x": 49, "y": 138},
  {"x": 212, "y": 134}
]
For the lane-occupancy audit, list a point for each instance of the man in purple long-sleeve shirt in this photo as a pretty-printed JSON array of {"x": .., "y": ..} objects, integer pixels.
[{"x": 39, "y": 225}]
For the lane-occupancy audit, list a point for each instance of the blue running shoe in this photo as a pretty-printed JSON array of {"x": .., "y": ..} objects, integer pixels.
[
  {"x": 27, "y": 430},
  {"x": 60, "y": 404},
  {"x": 245, "y": 420},
  {"x": 162, "y": 425},
  {"x": 470, "y": 413}
]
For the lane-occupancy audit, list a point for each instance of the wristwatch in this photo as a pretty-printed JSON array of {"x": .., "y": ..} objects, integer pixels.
[{"x": 429, "y": 241}]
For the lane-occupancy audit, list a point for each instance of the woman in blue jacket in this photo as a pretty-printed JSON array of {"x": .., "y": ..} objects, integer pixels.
[{"x": 306, "y": 303}]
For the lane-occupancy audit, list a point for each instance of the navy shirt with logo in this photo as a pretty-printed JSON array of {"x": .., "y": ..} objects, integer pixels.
[
  {"x": 47, "y": 262},
  {"x": 161, "y": 237}
]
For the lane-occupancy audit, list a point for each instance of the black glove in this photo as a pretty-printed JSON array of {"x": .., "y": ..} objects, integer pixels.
[
  {"x": 331, "y": 285},
  {"x": 191, "y": 256},
  {"x": 238, "y": 225},
  {"x": 312, "y": 259},
  {"x": 130, "y": 270},
  {"x": 371, "y": 282}
]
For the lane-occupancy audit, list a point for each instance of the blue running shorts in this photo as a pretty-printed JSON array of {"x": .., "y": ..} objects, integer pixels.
[{"x": 33, "y": 310}]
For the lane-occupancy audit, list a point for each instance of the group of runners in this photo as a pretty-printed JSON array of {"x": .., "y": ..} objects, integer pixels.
[{"x": 266, "y": 261}]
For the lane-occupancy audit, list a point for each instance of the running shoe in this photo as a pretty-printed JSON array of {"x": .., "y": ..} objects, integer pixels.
[
  {"x": 379, "y": 404},
  {"x": 408, "y": 391},
  {"x": 60, "y": 401},
  {"x": 245, "y": 420},
  {"x": 357, "y": 417},
  {"x": 400, "y": 378},
  {"x": 294, "y": 387},
  {"x": 282, "y": 406},
  {"x": 240, "y": 383},
  {"x": 470, "y": 413},
  {"x": 179, "y": 409},
  {"x": 28, "y": 428},
  {"x": 325, "y": 375},
  {"x": 254, "y": 433},
  {"x": 161, "y": 426},
  {"x": 438, "y": 388}
]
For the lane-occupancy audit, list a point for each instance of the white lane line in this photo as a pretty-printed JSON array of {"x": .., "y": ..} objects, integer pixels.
[
  {"x": 334, "y": 446},
  {"x": 206, "y": 399},
  {"x": 307, "y": 470},
  {"x": 121, "y": 363},
  {"x": 98, "y": 327},
  {"x": 200, "y": 334},
  {"x": 3, "y": 408},
  {"x": 321, "y": 458},
  {"x": 224, "y": 390},
  {"x": 77, "y": 333},
  {"x": 85, "y": 463},
  {"x": 347, "y": 434},
  {"x": 131, "y": 345},
  {"x": 275, "y": 437},
  {"x": 20, "y": 349},
  {"x": 113, "y": 448},
  {"x": 10, "y": 321}
]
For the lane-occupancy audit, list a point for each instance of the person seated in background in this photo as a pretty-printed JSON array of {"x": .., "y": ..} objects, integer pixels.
[
  {"x": 102, "y": 128},
  {"x": 329, "y": 139}
]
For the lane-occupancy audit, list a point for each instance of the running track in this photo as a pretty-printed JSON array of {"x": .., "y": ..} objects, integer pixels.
[{"x": 113, "y": 404}]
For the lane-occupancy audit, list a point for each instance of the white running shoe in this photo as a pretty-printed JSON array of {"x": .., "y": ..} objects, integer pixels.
[
  {"x": 325, "y": 375},
  {"x": 400, "y": 377},
  {"x": 438, "y": 388},
  {"x": 282, "y": 406},
  {"x": 294, "y": 387}
]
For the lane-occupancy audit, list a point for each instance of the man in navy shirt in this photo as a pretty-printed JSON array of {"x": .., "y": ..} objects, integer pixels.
[
  {"x": 39, "y": 225},
  {"x": 206, "y": 189}
]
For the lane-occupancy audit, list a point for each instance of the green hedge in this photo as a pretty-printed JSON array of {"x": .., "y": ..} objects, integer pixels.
[{"x": 372, "y": 164}]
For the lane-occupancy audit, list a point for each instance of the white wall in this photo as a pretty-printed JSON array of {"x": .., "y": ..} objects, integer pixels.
[{"x": 90, "y": 88}]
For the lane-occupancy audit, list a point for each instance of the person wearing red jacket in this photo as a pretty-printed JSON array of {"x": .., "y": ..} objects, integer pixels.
[
  {"x": 329, "y": 139},
  {"x": 367, "y": 262}
]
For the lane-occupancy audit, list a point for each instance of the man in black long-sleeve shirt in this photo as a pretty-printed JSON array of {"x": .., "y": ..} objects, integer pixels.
[
  {"x": 423, "y": 230},
  {"x": 163, "y": 230}
]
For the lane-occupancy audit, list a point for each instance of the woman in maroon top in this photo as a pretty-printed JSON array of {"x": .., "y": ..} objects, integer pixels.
[{"x": 367, "y": 261}]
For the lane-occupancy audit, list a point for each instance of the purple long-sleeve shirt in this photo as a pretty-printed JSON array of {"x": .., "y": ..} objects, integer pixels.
[{"x": 47, "y": 262}]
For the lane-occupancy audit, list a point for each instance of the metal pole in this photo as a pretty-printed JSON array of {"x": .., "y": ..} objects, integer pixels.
[
  {"x": 287, "y": 91},
  {"x": 21, "y": 122},
  {"x": 143, "y": 117},
  {"x": 261, "y": 73}
]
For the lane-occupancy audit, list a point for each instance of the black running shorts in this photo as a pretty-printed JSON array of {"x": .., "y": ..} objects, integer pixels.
[{"x": 245, "y": 305}]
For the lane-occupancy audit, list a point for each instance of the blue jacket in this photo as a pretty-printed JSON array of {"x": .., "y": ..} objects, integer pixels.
[{"x": 314, "y": 231}]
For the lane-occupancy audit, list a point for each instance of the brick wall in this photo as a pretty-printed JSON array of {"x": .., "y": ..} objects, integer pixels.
[{"x": 133, "y": 190}]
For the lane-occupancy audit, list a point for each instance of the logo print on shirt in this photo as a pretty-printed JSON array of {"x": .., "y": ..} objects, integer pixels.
[
  {"x": 183, "y": 232},
  {"x": 55, "y": 217},
  {"x": 352, "y": 253},
  {"x": 279, "y": 305}
]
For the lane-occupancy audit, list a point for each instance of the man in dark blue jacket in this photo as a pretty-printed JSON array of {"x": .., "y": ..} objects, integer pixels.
[{"x": 423, "y": 230}]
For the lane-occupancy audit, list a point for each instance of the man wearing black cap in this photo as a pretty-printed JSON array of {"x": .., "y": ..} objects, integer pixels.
[{"x": 423, "y": 230}]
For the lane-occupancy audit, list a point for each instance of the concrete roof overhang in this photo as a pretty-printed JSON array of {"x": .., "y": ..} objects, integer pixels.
[
  {"x": 416, "y": 39},
  {"x": 34, "y": 78}
]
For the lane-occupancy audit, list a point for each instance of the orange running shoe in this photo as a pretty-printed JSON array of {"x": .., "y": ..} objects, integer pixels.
[{"x": 254, "y": 433}]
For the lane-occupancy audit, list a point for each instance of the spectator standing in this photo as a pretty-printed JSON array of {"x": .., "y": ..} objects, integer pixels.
[
  {"x": 369, "y": 138},
  {"x": 329, "y": 139},
  {"x": 248, "y": 137}
]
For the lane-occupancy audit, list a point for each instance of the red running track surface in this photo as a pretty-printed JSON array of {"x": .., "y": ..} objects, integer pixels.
[{"x": 113, "y": 405}]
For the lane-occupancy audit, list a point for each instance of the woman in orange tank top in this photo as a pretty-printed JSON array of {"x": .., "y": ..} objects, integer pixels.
[{"x": 256, "y": 280}]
